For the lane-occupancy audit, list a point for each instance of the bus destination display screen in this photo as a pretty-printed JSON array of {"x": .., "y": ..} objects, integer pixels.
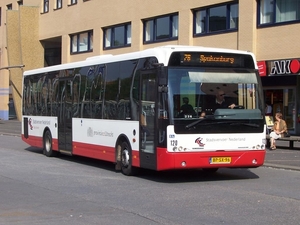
[{"x": 208, "y": 59}]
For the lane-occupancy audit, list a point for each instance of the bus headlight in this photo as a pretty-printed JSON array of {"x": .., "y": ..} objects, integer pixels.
[{"x": 254, "y": 161}]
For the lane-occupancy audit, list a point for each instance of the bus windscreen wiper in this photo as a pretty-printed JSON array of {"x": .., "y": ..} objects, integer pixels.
[
  {"x": 221, "y": 116},
  {"x": 245, "y": 124},
  {"x": 198, "y": 121},
  {"x": 210, "y": 117}
]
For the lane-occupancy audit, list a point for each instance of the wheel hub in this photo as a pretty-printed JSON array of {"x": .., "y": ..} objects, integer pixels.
[
  {"x": 125, "y": 158},
  {"x": 47, "y": 145}
]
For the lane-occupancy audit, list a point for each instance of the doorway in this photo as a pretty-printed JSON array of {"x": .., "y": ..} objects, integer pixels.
[
  {"x": 283, "y": 100},
  {"x": 148, "y": 99}
]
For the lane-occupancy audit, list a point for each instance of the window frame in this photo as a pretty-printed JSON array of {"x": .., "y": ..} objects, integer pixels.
[
  {"x": 273, "y": 15},
  {"x": 110, "y": 37},
  {"x": 73, "y": 2},
  {"x": 45, "y": 6},
  {"x": 59, "y": 4},
  {"x": 150, "y": 26},
  {"x": 9, "y": 6},
  {"x": 231, "y": 8},
  {"x": 79, "y": 36}
]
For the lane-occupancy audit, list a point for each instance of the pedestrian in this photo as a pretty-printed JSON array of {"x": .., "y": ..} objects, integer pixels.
[
  {"x": 268, "y": 110},
  {"x": 278, "y": 130}
]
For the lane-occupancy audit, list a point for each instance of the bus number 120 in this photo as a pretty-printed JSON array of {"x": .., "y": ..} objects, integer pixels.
[{"x": 173, "y": 142}]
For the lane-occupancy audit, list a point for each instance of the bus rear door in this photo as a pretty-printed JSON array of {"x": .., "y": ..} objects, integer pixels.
[{"x": 65, "y": 116}]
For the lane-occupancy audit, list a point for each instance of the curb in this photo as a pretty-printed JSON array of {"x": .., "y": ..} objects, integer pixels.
[
  {"x": 278, "y": 166},
  {"x": 10, "y": 134}
]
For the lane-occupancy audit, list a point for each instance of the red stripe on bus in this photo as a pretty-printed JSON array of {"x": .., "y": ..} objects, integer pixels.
[
  {"x": 33, "y": 141},
  {"x": 38, "y": 142},
  {"x": 101, "y": 152},
  {"x": 94, "y": 151}
]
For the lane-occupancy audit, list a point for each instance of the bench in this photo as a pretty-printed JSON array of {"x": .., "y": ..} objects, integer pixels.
[{"x": 291, "y": 139}]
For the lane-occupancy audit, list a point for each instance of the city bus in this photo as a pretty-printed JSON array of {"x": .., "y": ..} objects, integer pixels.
[{"x": 127, "y": 109}]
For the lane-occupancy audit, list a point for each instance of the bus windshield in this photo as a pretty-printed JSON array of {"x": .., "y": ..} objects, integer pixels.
[{"x": 201, "y": 97}]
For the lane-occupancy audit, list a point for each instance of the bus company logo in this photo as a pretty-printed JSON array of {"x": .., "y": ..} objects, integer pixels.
[
  {"x": 199, "y": 142},
  {"x": 30, "y": 124},
  {"x": 90, "y": 132}
]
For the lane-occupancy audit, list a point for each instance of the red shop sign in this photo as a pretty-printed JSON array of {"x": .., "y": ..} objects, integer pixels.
[{"x": 279, "y": 67}]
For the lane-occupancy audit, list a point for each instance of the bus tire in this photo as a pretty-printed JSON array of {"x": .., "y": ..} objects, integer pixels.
[
  {"x": 126, "y": 159},
  {"x": 47, "y": 143}
]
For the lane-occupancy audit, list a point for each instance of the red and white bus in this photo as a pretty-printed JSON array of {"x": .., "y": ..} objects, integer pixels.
[{"x": 127, "y": 109}]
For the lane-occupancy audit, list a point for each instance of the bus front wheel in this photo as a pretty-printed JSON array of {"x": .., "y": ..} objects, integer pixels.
[
  {"x": 47, "y": 150},
  {"x": 126, "y": 160}
]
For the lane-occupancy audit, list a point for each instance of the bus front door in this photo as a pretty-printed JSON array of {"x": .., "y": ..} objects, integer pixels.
[
  {"x": 65, "y": 116},
  {"x": 147, "y": 119}
]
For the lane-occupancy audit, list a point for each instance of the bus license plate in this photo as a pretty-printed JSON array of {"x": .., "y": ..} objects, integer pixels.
[{"x": 220, "y": 160}]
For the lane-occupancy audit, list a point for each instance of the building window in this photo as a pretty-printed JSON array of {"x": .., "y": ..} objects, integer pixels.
[
  {"x": 117, "y": 36},
  {"x": 82, "y": 42},
  {"x": 9, "y": 7},
  {"x": 20, "y": 2},
  {"x": 58, "y": 4},
  {"x": 46, "y": 6},
  {"x": 278, "y": 11},
  {"x": 162, "y": 28},
  {"x": 73, "y": 2},
  {"x": 216, "y": 18}
]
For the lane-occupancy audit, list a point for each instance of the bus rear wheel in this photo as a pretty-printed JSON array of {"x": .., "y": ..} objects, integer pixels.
[
  {"x": 47, "y": 143},
  {"x": 126, "y": 160}
]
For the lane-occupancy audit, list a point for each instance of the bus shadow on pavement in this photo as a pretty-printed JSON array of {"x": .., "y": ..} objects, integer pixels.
[
  {"x": 34, "y": 150},
  {"x": 197, "y": 175},
  {"x": 78, "y": 159},
  {"x": 177, "y": 176}
]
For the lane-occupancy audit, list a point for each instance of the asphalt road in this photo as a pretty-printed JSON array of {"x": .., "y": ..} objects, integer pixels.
[
  {"x": 35, "y": 189},
  {"x": 282, "y": 157}
]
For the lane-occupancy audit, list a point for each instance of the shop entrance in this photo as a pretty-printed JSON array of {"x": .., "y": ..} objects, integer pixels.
[{"x": 284, "y": 101}]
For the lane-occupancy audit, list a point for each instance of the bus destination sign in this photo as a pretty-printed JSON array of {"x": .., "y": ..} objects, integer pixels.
[
  {"x": 209, "y": 59},
  {"x": 187, "y": 57}
]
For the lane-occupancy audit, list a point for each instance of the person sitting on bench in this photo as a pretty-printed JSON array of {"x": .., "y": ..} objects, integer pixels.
[{"x": 279, "y": 129}]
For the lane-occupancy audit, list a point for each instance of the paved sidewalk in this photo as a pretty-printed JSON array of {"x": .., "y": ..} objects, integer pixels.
[
  {"x": 282, "y": 157},
  {"x": 10, "y": 127}
]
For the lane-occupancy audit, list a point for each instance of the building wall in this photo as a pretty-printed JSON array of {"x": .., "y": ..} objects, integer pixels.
[
  {"x": 276, "y": 42},
  {"x": 79, "y": 18},
  {"x": 13, "y": 46},
  {"x": 23, "y": 48},
  {"x": 4, "y": 75}
]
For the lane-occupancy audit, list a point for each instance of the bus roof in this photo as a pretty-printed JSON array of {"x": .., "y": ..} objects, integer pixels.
[{"x": 162, "y": 53}]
